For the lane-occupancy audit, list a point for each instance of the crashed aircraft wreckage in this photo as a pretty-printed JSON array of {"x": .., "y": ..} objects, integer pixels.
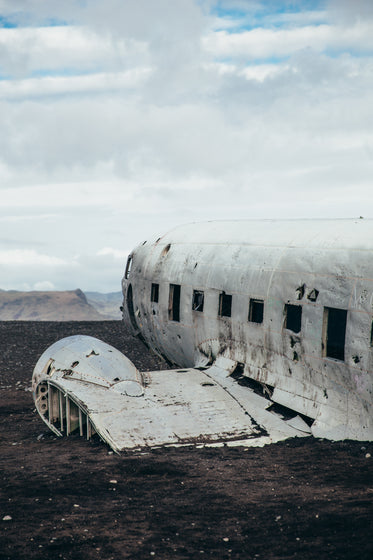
[{"x": 269, "y": 324}]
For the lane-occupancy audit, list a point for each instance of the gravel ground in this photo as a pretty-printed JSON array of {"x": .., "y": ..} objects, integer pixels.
[{"x": 72, "y": 499}]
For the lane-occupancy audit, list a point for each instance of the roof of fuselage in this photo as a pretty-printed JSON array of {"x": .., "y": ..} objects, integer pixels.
[{"x": 336, "y": 234}]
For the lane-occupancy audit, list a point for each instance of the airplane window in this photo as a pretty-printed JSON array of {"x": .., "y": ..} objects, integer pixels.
[
  {"x": 256, "y": 309},
  {"x": 128, "y": 267},
  {"x": 154, "y": 296},
  {"x": 225, "y": 305},
  {"x": 198, "y": 300},
  {"x": 174, "y": 302},
  {"x": 334, "y": 333},
  {"x": 293, "y": 317},
  {"x": 130, "y": 307}
]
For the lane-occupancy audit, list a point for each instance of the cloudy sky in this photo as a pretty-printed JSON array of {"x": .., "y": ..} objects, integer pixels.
[{"x": 120, "y": 119}]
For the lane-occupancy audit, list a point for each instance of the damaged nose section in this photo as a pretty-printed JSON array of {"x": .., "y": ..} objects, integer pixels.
[{"x": 77, "y": 382}]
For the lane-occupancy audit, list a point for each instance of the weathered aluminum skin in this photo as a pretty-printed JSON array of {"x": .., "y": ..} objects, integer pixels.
[
  {"x": 82, "y": 384},
  {"x": 316, "y": 264}
]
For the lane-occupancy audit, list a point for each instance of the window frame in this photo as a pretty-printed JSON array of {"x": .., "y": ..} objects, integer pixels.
[
  {"x": 154, "y": 293},
  {"x": 332, "y": 348},
  {"x": 128, "y": 266},
  {"x": 174, "y": 300},
  {"x": 291, "y": 312},
  {"x": 253, "y": 303},
  {"x": 225, "y": 302},
  {"x": 198, "y": 305}
]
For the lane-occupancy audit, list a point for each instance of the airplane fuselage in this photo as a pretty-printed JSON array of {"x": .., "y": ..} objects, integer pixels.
[{"x": 289, "y": 302}]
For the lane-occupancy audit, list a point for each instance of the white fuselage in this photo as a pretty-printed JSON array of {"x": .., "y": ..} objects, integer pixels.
[{"x": 291, "y": 302}]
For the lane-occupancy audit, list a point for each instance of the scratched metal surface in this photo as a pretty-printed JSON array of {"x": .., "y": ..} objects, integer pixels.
[
  {"x": 78, "y": 384},
  {"x": 278, "y": 262},
  {"x": 83, "y": 384}
]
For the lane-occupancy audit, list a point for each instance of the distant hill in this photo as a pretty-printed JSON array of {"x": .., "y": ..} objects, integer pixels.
[
  {"x": 48, "y": 306},
  {"x": 107, "y": 304}
]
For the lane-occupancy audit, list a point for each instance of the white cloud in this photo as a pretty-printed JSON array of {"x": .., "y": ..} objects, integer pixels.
[
  {"x": 134, "y": 117},
  {"x": 60, "y": 85},
  {"x": 65, "y": 48},
  {"x": 28, "y": 257},
  {"x": 65, "y": 195},
  {"x": 44, "y": 286},
  {"x": 256, "y": 72},
  {"x": 264, "y": 43},
  {"x": 22, "y": 217},
  {"x": 115, "y": 254}
]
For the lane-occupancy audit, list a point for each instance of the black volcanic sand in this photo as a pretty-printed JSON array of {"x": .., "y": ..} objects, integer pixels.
[{"x": 69, "y": 498}]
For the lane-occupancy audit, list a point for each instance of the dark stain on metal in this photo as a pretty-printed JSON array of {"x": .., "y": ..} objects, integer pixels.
[
  {"x": 301, "y": 291},
  {"x": 293, "y": 341},
  {"x": 312, "y": 296},
  {"x": 258, "y": 388},
  {"x": 166, "y": 250}
]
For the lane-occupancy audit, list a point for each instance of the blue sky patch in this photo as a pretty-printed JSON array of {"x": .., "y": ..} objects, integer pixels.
[
  {"x": 271, "y": 14},
  {"x": 7, "y": 23},
  {"x": 16, "y": 20},
  {"x": 64, "y": 72}
]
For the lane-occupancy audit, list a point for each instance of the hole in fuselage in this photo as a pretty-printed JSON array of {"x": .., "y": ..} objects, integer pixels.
[
  {"x": 130, "y": 307},
  {"x": 165, "y": 250}
]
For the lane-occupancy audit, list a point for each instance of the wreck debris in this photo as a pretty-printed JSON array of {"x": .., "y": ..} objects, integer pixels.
[
  {"x": 178, "y": 407},
  {"x": 241, "y": 315}
]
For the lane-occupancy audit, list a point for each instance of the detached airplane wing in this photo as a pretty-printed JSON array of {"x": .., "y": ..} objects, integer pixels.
[{"x": 81, "y": 383}]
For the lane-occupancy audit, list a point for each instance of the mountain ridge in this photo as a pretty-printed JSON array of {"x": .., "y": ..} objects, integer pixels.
[{"x": 68, "y": 305}]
